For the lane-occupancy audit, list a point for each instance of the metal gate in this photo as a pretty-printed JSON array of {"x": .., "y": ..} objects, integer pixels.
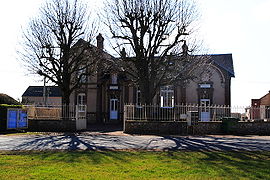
[{"x": 81, "y": 117}]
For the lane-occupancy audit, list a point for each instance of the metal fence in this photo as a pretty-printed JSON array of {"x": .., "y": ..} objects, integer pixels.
[
  {"x": 205, "y": 113},
  {"x": 56, "y": 112}
]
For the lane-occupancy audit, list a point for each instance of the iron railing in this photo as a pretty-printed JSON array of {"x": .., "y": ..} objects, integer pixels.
[{"x": 206, "y": 113}]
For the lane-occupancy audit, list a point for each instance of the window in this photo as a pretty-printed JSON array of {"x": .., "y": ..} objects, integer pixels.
[
  {"x": 138, "y": 96},
  {"x": 81, "y": 101},
  {"x": 205, "y": 91},
  {"x": 114, "y": 78},
  {"x": 166, "y": 96},
  {"x": 82, "y": 74}
]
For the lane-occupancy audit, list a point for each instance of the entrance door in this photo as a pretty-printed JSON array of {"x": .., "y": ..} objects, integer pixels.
[
  {"x": 114, "y": 109},
  {"x": 205, "y": 110}
]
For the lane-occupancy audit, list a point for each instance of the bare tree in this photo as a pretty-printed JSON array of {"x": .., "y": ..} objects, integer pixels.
[
  {"x": 151, "y": 38},
  {"x": 53, "y": 45}
]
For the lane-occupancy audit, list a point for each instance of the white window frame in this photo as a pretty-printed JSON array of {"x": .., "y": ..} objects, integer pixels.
[
  {"x": 167, "y": 96},
  {"x": 81, "y": 102}
]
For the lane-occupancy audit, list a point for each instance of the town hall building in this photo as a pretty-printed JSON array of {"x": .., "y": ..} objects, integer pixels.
[{"x": 106, "y": 93}]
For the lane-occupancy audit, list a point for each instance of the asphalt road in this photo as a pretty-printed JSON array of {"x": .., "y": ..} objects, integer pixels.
[{"x": 120, "y": 141}]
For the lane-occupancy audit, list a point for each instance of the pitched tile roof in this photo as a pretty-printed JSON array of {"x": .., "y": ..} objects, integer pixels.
[
  {"x": 37, "y": 91},
  {"x": 224, "y": 61}
]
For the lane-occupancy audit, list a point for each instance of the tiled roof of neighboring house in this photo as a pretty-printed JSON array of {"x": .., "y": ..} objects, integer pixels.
[
  {"x": 37, "y": 91},
  {"x": 224, "y": 61}
]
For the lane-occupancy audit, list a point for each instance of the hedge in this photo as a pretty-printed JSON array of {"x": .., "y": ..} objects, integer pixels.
[{"x": 6, "y": 99}]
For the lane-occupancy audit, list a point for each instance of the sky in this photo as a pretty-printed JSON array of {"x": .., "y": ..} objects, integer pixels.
[{"x": 240, "y": 27}]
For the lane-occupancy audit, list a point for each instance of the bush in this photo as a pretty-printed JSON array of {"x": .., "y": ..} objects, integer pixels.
[{"x": 5, "y": 99}]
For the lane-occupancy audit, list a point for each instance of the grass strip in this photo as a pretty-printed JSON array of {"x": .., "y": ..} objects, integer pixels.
[{"x": 134, "y": 165}]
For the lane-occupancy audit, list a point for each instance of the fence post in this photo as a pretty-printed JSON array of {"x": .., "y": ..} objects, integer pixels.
[
  {"x": 76, "y": 112},
  {"x": 125, "y": 117},
  {"x": 133, "y": 112}
]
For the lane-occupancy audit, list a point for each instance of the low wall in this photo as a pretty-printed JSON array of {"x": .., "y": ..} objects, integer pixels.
[
  {"x": 42, "y": 125},
  {"x": 252, "y": 128},
  {"x": 154, "y": 127},
  {"x": 207, "y": 128},
  {"x": 202, "y": 128}
]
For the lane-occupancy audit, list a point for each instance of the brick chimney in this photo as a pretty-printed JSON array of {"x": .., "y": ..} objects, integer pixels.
[{"x": 100, "y": 41}]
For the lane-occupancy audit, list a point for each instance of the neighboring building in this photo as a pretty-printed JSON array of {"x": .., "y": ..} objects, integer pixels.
[
  {"x": 260, "y": 108},
  {"x": 38, "y": 95},
  {"x": 106, "y": 93}
]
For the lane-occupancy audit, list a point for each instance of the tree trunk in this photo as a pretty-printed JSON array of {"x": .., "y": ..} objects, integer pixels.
[
  {"x": 66, "y": 115},
  {"x": 146, "y": 93}
]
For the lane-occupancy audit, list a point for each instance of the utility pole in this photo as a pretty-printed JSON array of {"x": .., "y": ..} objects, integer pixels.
[{"x": 44, "y": 93}]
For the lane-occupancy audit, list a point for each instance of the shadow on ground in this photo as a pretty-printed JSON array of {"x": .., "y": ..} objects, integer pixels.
[
  {"x": 71, "y": 141},
  {"x": 211, "y": 143}
]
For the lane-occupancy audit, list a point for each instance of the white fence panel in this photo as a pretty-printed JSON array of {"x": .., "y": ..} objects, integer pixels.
[
  {"x": 59, "y": 112},
  {"x": 206, "y": 113}
]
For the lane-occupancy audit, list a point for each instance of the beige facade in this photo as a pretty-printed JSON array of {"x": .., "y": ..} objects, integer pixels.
[
  {"x": 106, "y": 93},
  {"x": 213, "y": 81}
]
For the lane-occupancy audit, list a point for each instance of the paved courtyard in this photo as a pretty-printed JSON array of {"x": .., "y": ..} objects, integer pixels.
[{"x": 121, "y": 141}]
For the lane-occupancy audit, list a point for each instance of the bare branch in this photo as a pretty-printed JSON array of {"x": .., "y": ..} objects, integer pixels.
[
  {"x": 53, "y": 45},
  {"x": 153, "y": 31}
]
